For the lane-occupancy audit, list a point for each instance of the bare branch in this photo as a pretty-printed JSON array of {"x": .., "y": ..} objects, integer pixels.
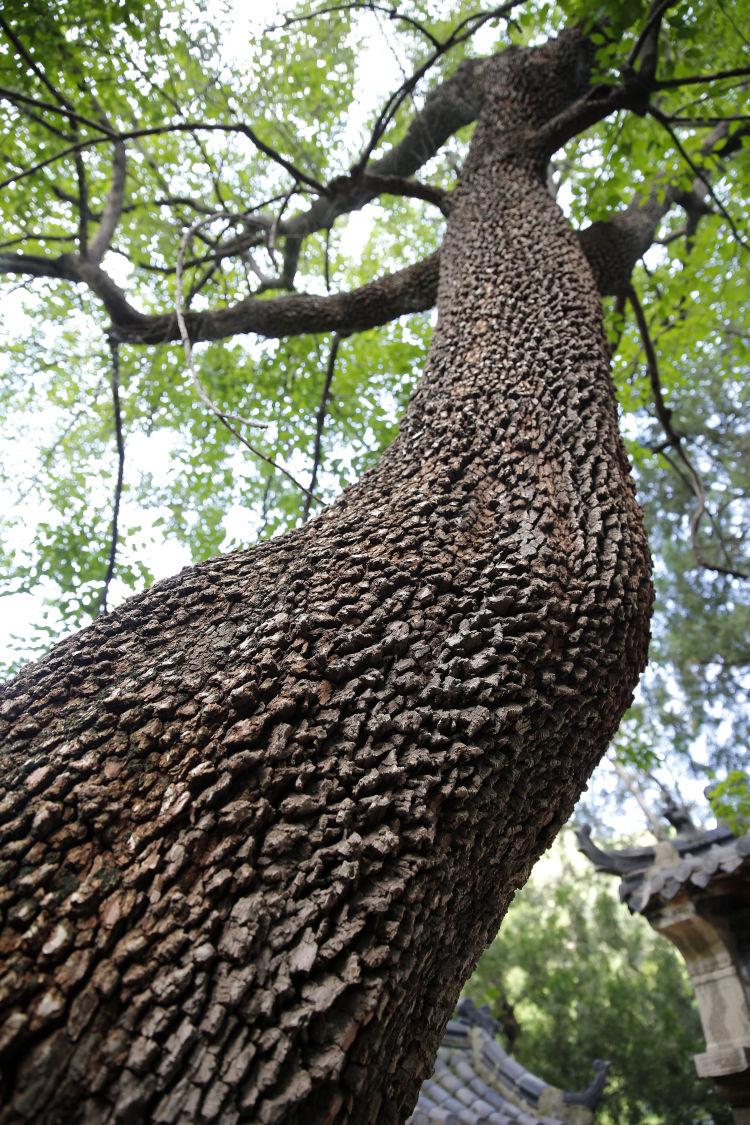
[
  {"x": 450, "y": 106},
  {"x": 631, "y": 783},
  {"x": 413, "y": 289},
  {"x": 83, "y": 206},
  {"x": 203, "y": 395},
  {"x": 463, "y": 31},
  {"x": 411, "y": 189},
  {"x": 614, "y": 246},
  {"x": 593, "y": 106},
  {"x": 32, "y": 265},
  {"x": 707, "y": 122},
  {"x": 447, "y": 108},
  {"x": 36, "y": 236}
]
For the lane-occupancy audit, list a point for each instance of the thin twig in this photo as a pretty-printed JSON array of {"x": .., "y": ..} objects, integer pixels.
[
  {"x": 664, "y": 414},
  {"x": 320, "y": 422},
  {"x": 392, "y": 13},
  {"x": 264, "y": 505},
  {"x": 162, "y": 130},
  {"x": 655, "y": 826},
  {"x": 34, "y": 65},
  {"x": 200, "y": 390},
  {"x": 224, "y": 417},
  {"x": 708, "y": 122},
  {"x": 19, "y": 99},
  {"x": 697, "y": 172},
  {"x": 273, "y": 230},
  {"x": 268, "y": 460},
  {"x": 83, "y": 193},
  {"x": 695, "y": 79},
  {"x": 461, "y": 32},
  {"x": 39, "y": 120},
  {"x": 619, "y": 322},
  {"x": 114, "y": 534}
]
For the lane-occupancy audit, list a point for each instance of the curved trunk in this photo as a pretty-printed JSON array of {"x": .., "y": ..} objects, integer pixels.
[{"x": 260, "y": 822}]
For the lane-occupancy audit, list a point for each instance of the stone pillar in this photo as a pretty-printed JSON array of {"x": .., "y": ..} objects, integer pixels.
[{"x": 703, "y": 930}]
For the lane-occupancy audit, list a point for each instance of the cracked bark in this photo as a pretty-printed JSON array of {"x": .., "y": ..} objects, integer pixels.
[{"x": 259, "y": 823}]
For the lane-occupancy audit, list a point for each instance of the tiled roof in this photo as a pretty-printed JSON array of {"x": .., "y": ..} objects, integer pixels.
[
  {"x": 657, "y": 874},
  {"x": 476, "y": 1082}
]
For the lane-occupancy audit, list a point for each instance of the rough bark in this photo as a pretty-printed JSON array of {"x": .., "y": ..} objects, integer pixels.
[{"x": 259, "y": 823}]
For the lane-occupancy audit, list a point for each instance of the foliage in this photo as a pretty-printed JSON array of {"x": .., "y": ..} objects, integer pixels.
[
  {"x": 585, "y": 980},
  {"x": 730, "y": 801},
  {"x": 302, "y": 83}
]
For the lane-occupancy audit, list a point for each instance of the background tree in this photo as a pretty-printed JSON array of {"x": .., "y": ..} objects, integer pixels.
[
  {"x": 430, "y": 669},
  {"x": 587, "y": 980}
]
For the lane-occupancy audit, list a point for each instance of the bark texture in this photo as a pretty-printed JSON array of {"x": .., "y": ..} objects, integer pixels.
[{"x": 259, "y": 823}]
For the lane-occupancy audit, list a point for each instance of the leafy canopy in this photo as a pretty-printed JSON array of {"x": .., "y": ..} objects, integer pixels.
[
  {"x": 310, "y": 82},
  {"x": 573, "y": 977}
]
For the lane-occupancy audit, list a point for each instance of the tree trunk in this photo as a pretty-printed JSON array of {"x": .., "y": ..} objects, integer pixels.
[{"x": 260, "y": 822}]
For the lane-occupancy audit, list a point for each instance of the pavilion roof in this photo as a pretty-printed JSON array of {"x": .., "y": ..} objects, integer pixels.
[{"x": 476, "y": 1082}]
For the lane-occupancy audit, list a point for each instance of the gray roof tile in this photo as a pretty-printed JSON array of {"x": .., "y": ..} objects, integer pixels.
[
  {"x": 475, "y": 1082},
  {"x": 457, "y": 1093},
  {"x": 699, "y": 857}
]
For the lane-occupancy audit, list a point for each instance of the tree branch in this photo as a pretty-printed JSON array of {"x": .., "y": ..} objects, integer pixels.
[
  {"x": 102, "y": 239},
  {"x": 631, "y": 783},
  {"x": 450, "y": 106},
  {"x": 33, "y": 65},
  {"x": 83, "y": 206},
  {"x": 697, "y": 172},
  {"x": 161, "y": 130},
  {"x": 647, "y": 42},
  {"x": 320, "y": 422},
  {"x": 664, "y": 414},
  {"x": 367, "y": 6},
  {"x": 119, "y": 440},
  {"x": 592, "y": 107},
  {"x": 463, "y": 31},
  {"x": 695, "y": 79},
  {"x": 72, "y": 115},
  {"x": 223, "y": 416},
  {"x": 32, "y": 265},
  {"x": 613, "y": 247},
  {"x": 413, "y": 289}
]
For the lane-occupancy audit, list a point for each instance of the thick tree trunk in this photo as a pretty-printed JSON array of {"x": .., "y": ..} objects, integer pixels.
[{"x": 260, "y": 823}]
